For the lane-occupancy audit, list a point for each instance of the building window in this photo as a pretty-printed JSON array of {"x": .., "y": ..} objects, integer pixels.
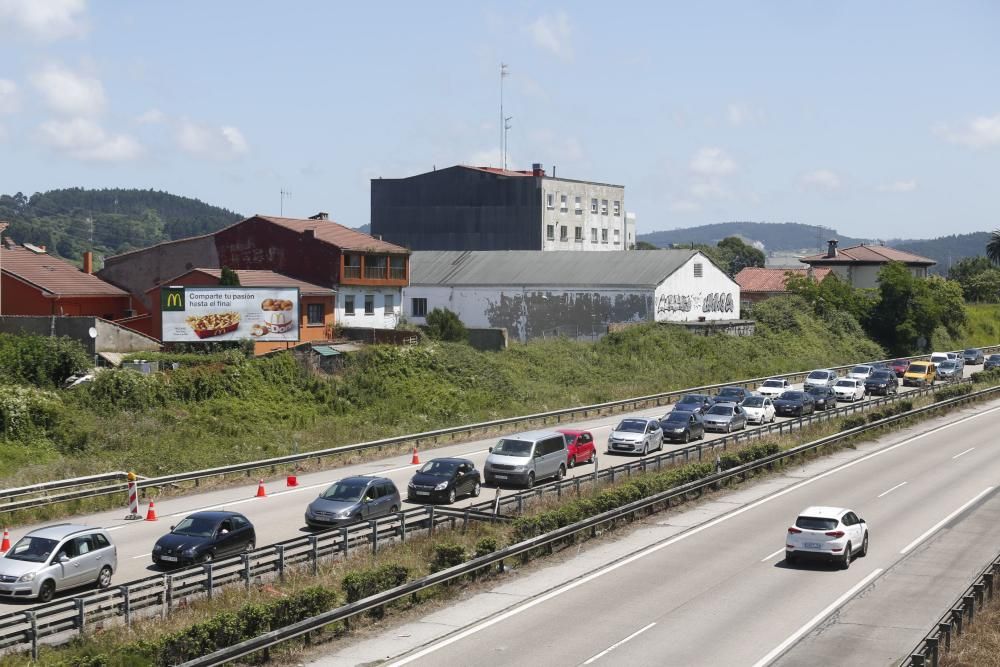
[
  {"x": 352, "y": 266},
  {"x": 397, "y": 268},
  {"x": 550, "y": 232},
  {"x": 315, "y": 314},
  {"x": 618, "y": 237},
  {"x": 579, "y": 234},
  {"x": 369, "y": 304},
  {"x": 593, "y": 205},
  {"x": 604, "y": 207},
  {"x": 579, "y": 206},
  {"x": 564, "y": 233},
  {"x": 418, "y": 307},
  {"x": 617, "y": 207},
  {"x": 390, "y": 305},
  {"x": 550, "y": 200},
  {"x": 698, "y": 270},
  {"x": 604, "y": 236},
  {"x": 593, "y": 234},
  {"x": 376, "y": 267},
  {"x": 562, "y": 202},
  {"x": 349, "y": 304}
]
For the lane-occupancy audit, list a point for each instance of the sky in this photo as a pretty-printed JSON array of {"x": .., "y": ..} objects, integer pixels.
[{"x": 880, "y": 120}]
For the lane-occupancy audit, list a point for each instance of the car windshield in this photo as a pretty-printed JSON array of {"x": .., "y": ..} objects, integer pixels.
[
  {"x": 631, "y": 426},
  {"x": 791, "y": 396},
  {"x": 350, "y": 490},
  {"x": 947, "y": 366},
  {"x": 677, "y": 416},
  {"x": 819, "y": 375},
  {"x": 898, "y": 362},
  {"x": 882, "y": 376},
  {"x": 864, "y": 370},
  {"x": 818, "y": 391},
  {"x": 721, "y": 410},
  {"x": 845, "y": 383},
  {"x": 32, "y": 549},
  {"x": 815, "y": 523},
  {"x": 440, "y": 468},
  {"x": 692, "y": 398},
  {"x": 994, "y": 357},
  {"x": 754, "y": 402},
  {"x": 973, "y": 352},
  {"x": 917, "y": 368},
  {"x": 196, "y": 526},
  {"x": 773, "y": 383},
  {"x": 508, "y": 447}
]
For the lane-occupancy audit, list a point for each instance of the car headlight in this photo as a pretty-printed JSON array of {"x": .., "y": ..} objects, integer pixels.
[
  {"x": 678, "y": 430},
  {"x": 410, "y": 485},
  {"x": 27, "y": 577},
  {"x": 342, "y": 514},
  {"x": 441, "y": 487},
  {"x": 520, "y": 468},
  {"x": 188, "y": 552},
  {"x": 157, "y": 549}
]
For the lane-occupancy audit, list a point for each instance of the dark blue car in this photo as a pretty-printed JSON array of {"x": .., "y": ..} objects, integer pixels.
[{"x": 204, "y": 536}]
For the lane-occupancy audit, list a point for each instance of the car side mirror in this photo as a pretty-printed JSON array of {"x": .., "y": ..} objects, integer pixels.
[
  {"x": 172, "y": 528},
  {"x": 491, "y": 449},
  {"x": 63, "y": 558}
]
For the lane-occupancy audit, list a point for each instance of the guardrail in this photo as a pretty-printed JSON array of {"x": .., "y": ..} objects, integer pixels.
[
  {"x": 162, "y": 592},
  {"x": 415, "y": 439},
  {"x": 642, "y": 507},
  {"x": 961, "y": 613}
]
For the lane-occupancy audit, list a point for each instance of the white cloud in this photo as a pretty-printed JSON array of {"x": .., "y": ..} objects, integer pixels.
[
  {"x": 898, "y": 186},
  {"x": 709, "y": 190},
  {"x": 981, "y": 132},
  {"x": 151, "y": 117},
  {"x": 684, "y": 206},
  {"x": 711, "y": 161},
  {"x": 211, "y": 142},
  {"x": 43, "y": 19},
  {"x": 84, "y": 139},
  {"x": 552, "y": 33},
  {"x": 9, "y": 97},
  {"x": 821, "y": 179},
  {"x": 739, "y": 114},
  {"x": 69, "y": 93}
]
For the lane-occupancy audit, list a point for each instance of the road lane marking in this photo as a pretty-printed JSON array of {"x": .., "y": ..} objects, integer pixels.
[
  {"x": 668, "y": 542},
  {"x": 795, "y": 636},
  {"x": 142, "y": 556},
  {"x": 963, "y": 453},
  {"x": 933, "y": 529},
  {"x": 885, "y": 493},
  {"x": 767, "y": 558},
  {"x": 617, "y": 644}
]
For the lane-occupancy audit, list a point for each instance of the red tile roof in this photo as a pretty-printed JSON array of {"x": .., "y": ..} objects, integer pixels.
[
  {"x": 335, "y": 234},
  {"x": 260, "y": 278},
  {"x": 754, "y": 279},
  {"x": 55, "y": 276},
  {"x": 868, "y": 254}
]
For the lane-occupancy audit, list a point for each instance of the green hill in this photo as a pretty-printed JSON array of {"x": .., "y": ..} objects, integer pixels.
[
  {"x": 945, "y": 250},
  {"x": 109, "y": 221},
  {"x": 775, "y": 236}
]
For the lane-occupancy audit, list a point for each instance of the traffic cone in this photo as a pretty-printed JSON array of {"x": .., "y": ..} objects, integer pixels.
[
  {"x": 5, "y": 545},
  {"x": 416, "y": 457},
  {"x": 292, "y": 480},
  {"x": 261, "y": 493},
  {"x": 151, "y": 512}
]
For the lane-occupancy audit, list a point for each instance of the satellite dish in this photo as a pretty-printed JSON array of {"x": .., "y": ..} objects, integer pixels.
[{"x": 93, "y": 332}]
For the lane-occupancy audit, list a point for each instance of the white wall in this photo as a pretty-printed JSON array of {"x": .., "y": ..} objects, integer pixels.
[
  {"x": 380, "y": 319},
  {"x": 866, "y": 275},
  {"x": 684, "y": 298},
  {"x": 571, "y": 217}
]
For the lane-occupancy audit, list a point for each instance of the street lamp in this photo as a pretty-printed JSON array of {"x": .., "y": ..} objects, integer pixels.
[{"x": 3, "y": 227}]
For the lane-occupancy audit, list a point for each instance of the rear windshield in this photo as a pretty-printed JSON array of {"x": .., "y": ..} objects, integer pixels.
[
  {"x": 861, "y": 369},
  {"x": 754, "y": 402},
  {"x": 947, "y": 365},
  {"x": 883, "y": 375},
  {"x": 773, "y": 383},
  {"x": 815, "y": 523},
  {"x": 994, "y": 357},
  {"x": 845, "y": 383},
  {"x": 819, "y": 375},
  {"x": 972, "y": 351},
  {"x": 631, "y": 426},
  {"x": 682, "y": 417},
  {"x": 730, "y": 391},
  {"x": 720, "y": 410},
  {"x": 509, "y": 447},
  {"x": 693, "y": 398},
  {"x": 818, "y": 391},
  {"x": 917, "y": 368},
  {"x": 196, "y": 526},
  {"x": 791, "y": 396}
]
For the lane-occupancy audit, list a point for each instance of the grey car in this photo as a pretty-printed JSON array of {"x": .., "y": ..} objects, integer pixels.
[
  {"x": 992, "y": 361},
  {"x": 821, "y": 377},
  {"x": 527, "y": 457},
  {"x": 353, "y": 499},
  {"x": 949, "y": 371},
  {"x": 636, "y": 435},
  {"x": 726, "y": 417},
  {"x": 57, "y": 558}
]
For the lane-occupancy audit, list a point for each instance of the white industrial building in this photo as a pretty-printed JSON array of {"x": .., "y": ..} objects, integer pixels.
[{"x": 540, "y": 293}]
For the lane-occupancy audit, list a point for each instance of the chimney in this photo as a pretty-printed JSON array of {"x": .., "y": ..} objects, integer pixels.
[
  {"x": 831, "y": 250},
  {"x": 322, "y": 215},
  {"x": 88, "y": 262},
  {"x": 536, "y": 169}
]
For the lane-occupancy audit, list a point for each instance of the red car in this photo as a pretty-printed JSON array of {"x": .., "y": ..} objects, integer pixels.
[
  {"x": 899, "y": 366},
  {"x": 580, "y": 445}
]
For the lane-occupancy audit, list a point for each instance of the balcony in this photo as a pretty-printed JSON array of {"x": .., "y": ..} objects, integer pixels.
[
  {"x": 352, "y": 271},
  {"x": 397, "y": 273},
  {"x": 375, "y": 272}
]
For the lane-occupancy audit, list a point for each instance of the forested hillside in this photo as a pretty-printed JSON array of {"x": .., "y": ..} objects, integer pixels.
[
  {"x": 774, "y": 235},
  {"x": 946, "y": 250},
  {"x": 109, "y": 221}
]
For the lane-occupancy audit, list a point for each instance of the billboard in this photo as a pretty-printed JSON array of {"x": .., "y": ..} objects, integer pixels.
[{"x": 193, "y": 314}]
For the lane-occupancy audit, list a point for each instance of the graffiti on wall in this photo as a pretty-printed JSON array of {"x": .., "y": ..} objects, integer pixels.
[
  {"x": 669, "y": 303},
  {"x": 715, "y": 302}
]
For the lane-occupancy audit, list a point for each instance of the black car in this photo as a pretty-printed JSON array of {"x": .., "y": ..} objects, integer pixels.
[
  {"x": 973, "y": 356},
  {"x": 794, "y": 404},
  {"x": 203, "y": 537},
  {"x": 695, "y": 403},
  {"x": 683, "y": 426},
  {"x": 732, "y": 395},
  {"x": 444, "y": 480},
  {"x": 992, "y": 361},
  {"x": 823, "y": 397},
  {"x": 883, "y": 383}
]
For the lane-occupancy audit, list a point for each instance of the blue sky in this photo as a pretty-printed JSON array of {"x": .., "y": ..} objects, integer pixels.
[{"x": 878, "y": 119}]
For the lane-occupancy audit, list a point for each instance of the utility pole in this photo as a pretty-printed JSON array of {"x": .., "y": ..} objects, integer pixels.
[
  {"x": 503, "y": 130},
  {"x": 506, "y": 128},
  {"x": 284, "y": 194}
]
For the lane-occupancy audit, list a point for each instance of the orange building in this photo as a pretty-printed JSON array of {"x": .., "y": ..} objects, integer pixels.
[{"x": 316, "y": 304}]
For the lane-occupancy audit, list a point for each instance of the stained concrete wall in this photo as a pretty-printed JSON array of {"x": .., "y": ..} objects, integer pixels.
[
  {"x": 110, "y": 337},
  {"x": 686, "y": 297},
  {"x": 138, "y": 272}
]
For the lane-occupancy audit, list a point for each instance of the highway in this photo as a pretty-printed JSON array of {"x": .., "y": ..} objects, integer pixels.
[
  {"x": 279, "y": 516},
  {"x": 718, "y": 592}
]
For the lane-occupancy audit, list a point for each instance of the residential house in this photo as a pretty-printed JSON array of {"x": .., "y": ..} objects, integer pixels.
[
  {"x": 757, "y": 284},
  {"x": 859, "y": 265}
]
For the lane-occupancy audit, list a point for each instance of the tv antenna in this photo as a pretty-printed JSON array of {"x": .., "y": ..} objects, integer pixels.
[
  {"x": 504, "y": 73},
  {"x": 285, "y": 194},
  {"x": 506, "y": 128}
]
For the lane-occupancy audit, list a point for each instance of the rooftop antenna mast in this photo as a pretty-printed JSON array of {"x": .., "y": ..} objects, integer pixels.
[
  {"x": 285, "y": 194},
  {"x": 506, "y": 128},
  {"x": 504, "y": 73}
]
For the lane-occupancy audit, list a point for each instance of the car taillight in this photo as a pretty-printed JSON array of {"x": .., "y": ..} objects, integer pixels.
[
  {"x": 794, "y": 531},
  {"x": 835, "y": 533}
]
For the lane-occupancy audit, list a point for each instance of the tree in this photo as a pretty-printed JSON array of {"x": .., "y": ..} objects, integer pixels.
[
  {"x": 443, "y": 324},
  {"x": 993, "y": 247},
  {"x": 229, "y": 277},
  {"x": 645, "y": 245},
  {"x": 832, "y": 295},
  {"x": 983, "y": 287},
  {"x": 739, "y": 255},
  {"x": 968, "y": 272}
]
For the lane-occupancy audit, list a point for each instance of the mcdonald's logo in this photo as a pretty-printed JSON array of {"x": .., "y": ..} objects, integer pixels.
[{"x": 172, "y": 299}]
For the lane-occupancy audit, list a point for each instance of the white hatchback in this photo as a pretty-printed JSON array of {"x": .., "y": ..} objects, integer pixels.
[
  {"x": 759, "y": 409},
  {"x": 827, "y": 533},
  {"x": 849, "y": 390}
]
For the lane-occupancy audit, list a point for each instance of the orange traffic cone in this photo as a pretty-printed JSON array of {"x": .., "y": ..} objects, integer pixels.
[
  {"x": 292, "y": 480},
  {"x": 5, "y": 545},
  {"x": 416, "y": 457},
  {"x": 151, "y": 512},
  {"x": 261, "y": 493}
]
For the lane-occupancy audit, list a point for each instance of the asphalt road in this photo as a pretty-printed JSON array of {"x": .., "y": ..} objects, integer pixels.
[
  {"x": 279, "y": 516},
  {"x": 720, "y": 592}
]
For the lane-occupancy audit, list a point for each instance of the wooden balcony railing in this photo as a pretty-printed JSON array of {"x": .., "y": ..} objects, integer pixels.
[{"x": 352, "y": 271}]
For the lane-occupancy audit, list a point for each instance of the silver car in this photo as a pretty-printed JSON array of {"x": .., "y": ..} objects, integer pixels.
[
  {"x": 57, "y": 558},
  {"x": 353, "y": 499},
  {"x": 949, "y": 371},
  {"x": 821, "y": 377},
  {"x": 726, "y": 417},
  {"x": 526, "y": 458},
  {"x": 636, "y": 435}
]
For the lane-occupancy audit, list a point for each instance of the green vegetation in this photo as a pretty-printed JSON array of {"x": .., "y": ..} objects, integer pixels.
[
  {"x": 443, "y": 324},
  {"x": 774, "y": 235},
  {"x": 39, "y": 360},
  {"x": 979, "y": 278}
]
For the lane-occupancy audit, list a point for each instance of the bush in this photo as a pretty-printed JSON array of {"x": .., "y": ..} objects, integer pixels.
[
  {"x": 41, "y": 361},
  {"x": 443, "y": 324},
  {"x": 126, "y": 390},
  {"x": 952, "y": 392},
  {"x": 26, "y": 412},
  {"x": 486, "y": 546},
  {"x": 853, "y": 422},
  {"x": 990, "y": 377},
  {"x": 447, "y": 555},
  {"x": 360, "y": 584}
]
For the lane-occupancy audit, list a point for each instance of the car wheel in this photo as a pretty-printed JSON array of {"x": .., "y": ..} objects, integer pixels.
[
  {"x": 451, "y": 496},
  {"x": 393, "y": 509},
  {"x": 591, "y": 459},
  {"x": 846, "y": 561},
  {"x": 476, "y": 490},
  {"x": 104, "y": 578},
  {"x": 531, "y": 480},
  {"x": 47, "y": 591},
  {"x": 864, "y": 546},
  {"x": 645, "y": 448},
  {"x": 561, "y": 473},
  {"x": 687, "y": 437},
  {"x": 790, "y": 558},
  {"x": 729, "y": 427},
  {"x": 251, "y": 545}
]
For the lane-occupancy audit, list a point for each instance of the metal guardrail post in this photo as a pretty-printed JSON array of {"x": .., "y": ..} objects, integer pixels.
[
  {"x": 430, "y": 514},
  {"x": 33, "y": 632},
  {"x": 245, "y": 559},
  {"x": 314, "y": 553},
  {"x": 209, "y": 578},
  {"x": 373, "y": 528},
  {"x": 932, "y": 647},
  {"x": 126, "y": 606},
  {"x": 956, "y": 619},
  {"x": 280, "y": 550},
  {"x": 945, "y": 630},
  {"x": 168, "y": 594},
  {"x": 344, "y": 541},
  {"x": 979, "y": 590},
  {"x": 81, "y": 618},
  {"x": 970, "y": 602},
  {"x": 917, "y": 660}
]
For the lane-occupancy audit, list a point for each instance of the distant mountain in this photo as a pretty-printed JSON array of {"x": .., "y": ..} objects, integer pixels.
[
  {"x": 109, "y": 221},
  {"x": 775, "y": 236},
  {"x": 945, "y": 250},
  {"x": 364, "y": 229}
]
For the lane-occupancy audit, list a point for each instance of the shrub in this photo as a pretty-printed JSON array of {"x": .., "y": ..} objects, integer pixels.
[
  {"x": 853, "y": 422},
  {"x": 952, "y": 392},
  {"x": 485, "y": 546},
  {"x": 991, "y": 376},
  {"x": 126, "y": 390},
  {"x": 447, "y": 555},
  {"x": 26, "y": 411},
  {"x": 360, "y": 584},
  {"x": 443, "y": 324},
  {"x": 41, "y": 361}
]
